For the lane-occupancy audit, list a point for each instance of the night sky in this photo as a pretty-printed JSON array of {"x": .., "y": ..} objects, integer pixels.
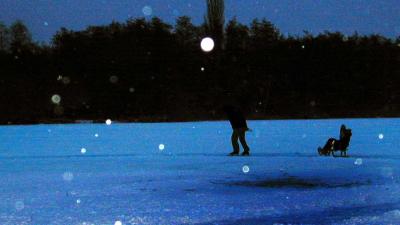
[{"x": 45, "y": 17}]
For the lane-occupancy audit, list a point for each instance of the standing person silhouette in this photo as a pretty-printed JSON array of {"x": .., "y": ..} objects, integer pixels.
[{"x": 239, "y": 126}]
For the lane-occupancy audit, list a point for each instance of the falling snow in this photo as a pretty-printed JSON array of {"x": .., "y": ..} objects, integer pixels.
[
  {"x": 108, "y": 122},
  {"x": 68, "y": 176},
  {"x": 161, "y": 147},
  {"x": 245, "y": 169},
  {"x": 83, "y": 150},
  {"x": 147, "y": 10},
  {"x": 66, "y": 80},
  {"x": 358, "y": 162},
  {"x": 114, "y": 79},
  {"x": 19, "y": 205},
  {"x": 56, "y": 99}
]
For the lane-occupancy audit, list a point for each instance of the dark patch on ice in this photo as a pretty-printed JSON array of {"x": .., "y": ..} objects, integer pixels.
[
  {"x": 190, "y": 190},
  {"x": 336, "y": 215},
  {"x": 293, "y": 182}
]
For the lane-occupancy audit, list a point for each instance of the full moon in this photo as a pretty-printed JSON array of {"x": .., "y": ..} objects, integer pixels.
[{"x": 207, "y": 44}]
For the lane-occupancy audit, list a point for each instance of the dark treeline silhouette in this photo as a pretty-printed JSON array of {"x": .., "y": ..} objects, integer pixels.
[{"x": 147, "y": 70}]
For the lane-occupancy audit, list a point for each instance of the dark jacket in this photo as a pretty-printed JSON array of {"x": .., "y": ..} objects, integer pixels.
[{"x": 236, "y": 117}]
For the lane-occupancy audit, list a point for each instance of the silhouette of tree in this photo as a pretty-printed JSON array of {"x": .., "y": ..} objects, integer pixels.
[
  {"x": 186, "y": 33},
  {"x": 20, "y": 37},
  {"x": 263, "y": 32},
  {"x": 214, "y": 21},
  {"x": 4, "y": 37},
  {"x": 149, "y": 70},
  {"x": 237, "y": 37}
]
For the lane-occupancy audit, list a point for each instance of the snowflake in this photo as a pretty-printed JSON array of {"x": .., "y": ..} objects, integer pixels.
[
  {"x": 358, "y": 162},
  {"x": 56, "y": 99},
  {"x": 68, "y": 176},
  {"x": 147, "y": 10},
  {"x": 245, "y": 169}
]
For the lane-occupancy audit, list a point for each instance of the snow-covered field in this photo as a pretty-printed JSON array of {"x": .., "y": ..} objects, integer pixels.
[{"x": 178, "y": 173}]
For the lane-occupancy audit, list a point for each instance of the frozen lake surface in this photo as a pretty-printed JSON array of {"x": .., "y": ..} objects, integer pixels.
[{"x": 178, "y": 173}]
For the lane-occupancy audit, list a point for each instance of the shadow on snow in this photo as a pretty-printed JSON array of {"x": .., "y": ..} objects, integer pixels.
[{"x": 294, "y": 182}]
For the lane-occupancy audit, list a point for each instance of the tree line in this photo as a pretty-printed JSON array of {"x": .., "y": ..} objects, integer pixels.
[{"x": 148, "y": 70}]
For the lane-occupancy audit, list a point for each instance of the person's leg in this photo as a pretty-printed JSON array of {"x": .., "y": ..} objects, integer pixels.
[
  {"x": 242, "y": 138},
  {"x": 234, "y": 140}
]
